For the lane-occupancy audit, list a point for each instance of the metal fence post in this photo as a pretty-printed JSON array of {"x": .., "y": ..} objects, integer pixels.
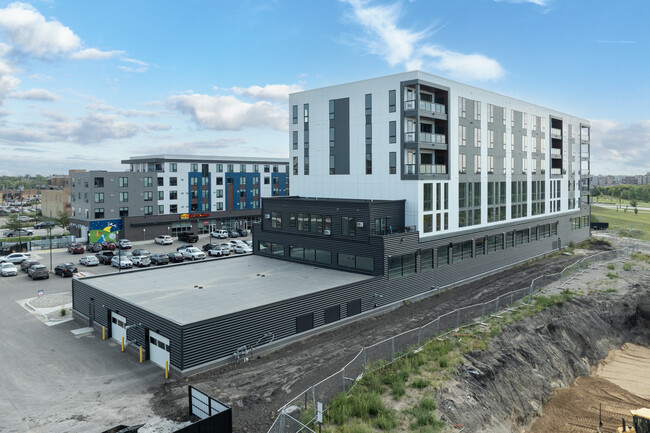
[
  {"x": 343, "y": 377},
  {"x": 530, "y": 294},
  {"x": 419, "y": 334},
  {"x": 438, "y": 326},
  {"x": 496, "y": 309},
  {"x": 282, "y": 421},
  {"x": 482, "y": 311},
  {"x": 365, "y": 360},
  {"x": 313, "y": 399},
  {"x": 392, "y": 350},
  {"x": 457, "y": 317}
]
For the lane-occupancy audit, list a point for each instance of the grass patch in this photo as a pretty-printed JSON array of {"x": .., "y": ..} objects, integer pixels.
[
  {"x": 641, "y": 257},
  {"x": 627, "y": 266},
  {"x": 419, "y": 383},
  {"x": 423, "y": 416},
  {"x": 626, "y": 224},
  {"x": 611, "y": 266},
  {"x": 611, "y": 275}
]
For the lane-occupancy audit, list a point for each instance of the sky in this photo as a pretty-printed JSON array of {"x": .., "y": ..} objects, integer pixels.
[{"x": 86, "y": 84}]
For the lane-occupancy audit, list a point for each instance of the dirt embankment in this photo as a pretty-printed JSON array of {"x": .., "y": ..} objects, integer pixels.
[{"x": 503, "y": 388}]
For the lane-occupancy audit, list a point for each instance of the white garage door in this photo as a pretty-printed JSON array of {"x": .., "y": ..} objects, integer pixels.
[
  {"x": 158, "y": 349},
  {"x": 118, "y": 327}
]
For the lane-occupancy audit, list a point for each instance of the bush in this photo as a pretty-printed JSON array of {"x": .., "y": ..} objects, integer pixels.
[
  {"x": 611, "y": 276},
  {"x": 611, "y": 266},
  {"x": 419, "y": 383},
  {"x": 627, "y": 266}
]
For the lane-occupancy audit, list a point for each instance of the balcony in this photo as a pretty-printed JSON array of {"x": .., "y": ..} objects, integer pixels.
[
  {"x": 556, "y": 153},
  {"x": 557, "y": 172},
  {"x": 426, "y": 137},
  {"x": 433, "y": 169},
  {"x": 556, "y": 133},
  {"x": 426, "y": 105}
]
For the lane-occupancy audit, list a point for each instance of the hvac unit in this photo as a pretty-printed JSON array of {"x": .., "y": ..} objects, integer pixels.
[
  {"x": 327, "y": 232},
  {"x": 360, "y": 224}
]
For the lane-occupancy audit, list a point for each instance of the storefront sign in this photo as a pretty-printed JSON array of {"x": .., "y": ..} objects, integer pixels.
[{"x": 186, "y": 216}]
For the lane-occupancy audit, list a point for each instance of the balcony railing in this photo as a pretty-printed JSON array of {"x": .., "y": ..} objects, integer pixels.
[
  {"x": 556, "y": 133},
  {"x": 556, "y": 152},
  {"x": 409, "y": 169},
  {"x": 433, "y": 169},
  {"x": 426, "y": 137},
  {"x": 426, "y": 105},
  {"x": 556, "y": 171}
]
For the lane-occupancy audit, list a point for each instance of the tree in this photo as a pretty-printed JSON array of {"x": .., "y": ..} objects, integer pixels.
[
  {"x": 633, "y": 203},
  {"x": 12, "y": 222},
  {"x": 62, "y": 220}
]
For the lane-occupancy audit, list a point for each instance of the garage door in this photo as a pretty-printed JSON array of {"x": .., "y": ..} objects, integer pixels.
[
  {"x": 118, "y": 327},
  {"x": 158, "y": 349}
]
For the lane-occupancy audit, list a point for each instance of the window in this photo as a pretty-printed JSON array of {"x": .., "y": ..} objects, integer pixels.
[
  {"x": 391, "y": 101},
  {"x": 477, "y": 110},
  {"x": 477, "y": 137},
  {"x": 392, "y": 131},
  {"x": 267, "y": 168},
  {"x": 161, "y": 195},
  {"x": 220, "y": 206},
  {"x": 462, "y": 135},
  {"x": 148, "y": 181},
  {"x": 462, "y": 106},
  {"x": 148, "y": 210},
  {"x": 348, "y": 226},
  {"x": 477, "y": 163},
  {"x": 399, "y": 266},
  {"x": 99, "y": 182},
  {"x": 294, "y": 111},
  {"x": 148, "y": 195},
  {"x": 173, "y": 181},
  {"x": 462, "y": 163},
  {"x": 331, "y": 109},
  {"x": 161, "y": 209},
  {"x": 267, "y": 180},
  {"x": 443, "y": 256},
  {"x": 99, "y": 213},
  {"x": 173, "y": 195},
  {"x": 242, "y": 168},
  {"x": 123, "y": 197},
  {"x": 490, "y": 164},
  {"x": 173, "y": 167},
  {"x": 99, "y": 197},
  {"x": 124, "y": 212},
  {"x": 295, "y": 165},
  {"x": 303, "y": 222},
  {"x": 392, "y": 162},
  {"x": 306, "y": 112},
  {"x": 194, "y": 167},
  {"x": 173, "y": 208},
  {"x": 428, "y": 197},
  {"x": 295, "y": 140},
  {"x": 230, "y": 168},
  {"x": 123, "y": 182}
]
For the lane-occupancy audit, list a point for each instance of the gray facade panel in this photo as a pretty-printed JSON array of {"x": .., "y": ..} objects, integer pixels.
[{"x": 341, "y": 124}]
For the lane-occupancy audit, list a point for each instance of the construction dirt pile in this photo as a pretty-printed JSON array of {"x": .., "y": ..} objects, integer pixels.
[{"x": 506, "y": 387}]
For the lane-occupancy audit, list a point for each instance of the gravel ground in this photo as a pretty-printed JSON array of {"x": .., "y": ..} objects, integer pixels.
[{"x": 50, "y": 301}]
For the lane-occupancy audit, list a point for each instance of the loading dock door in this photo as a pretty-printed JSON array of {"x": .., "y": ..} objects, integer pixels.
[
  {"x": 158, "y": 349},
  {"x": 118, "y": 327}
]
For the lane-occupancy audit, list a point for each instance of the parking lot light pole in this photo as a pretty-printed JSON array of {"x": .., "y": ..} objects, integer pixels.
[{"x": 49, "y": 231}]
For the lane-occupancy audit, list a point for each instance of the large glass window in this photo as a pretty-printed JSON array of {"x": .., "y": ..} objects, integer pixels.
[
  {"x": 348, "y": 226},
  {"x": 276, "y": 220},
  {"x": 123, "y": 182}
]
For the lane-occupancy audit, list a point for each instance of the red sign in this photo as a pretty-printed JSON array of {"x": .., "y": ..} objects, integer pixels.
[{"x": 185, "y": 216}]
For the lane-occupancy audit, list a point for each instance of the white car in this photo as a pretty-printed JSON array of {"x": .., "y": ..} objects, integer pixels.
[
  {"x": 219, "y": 234},
  {"x": 15, "y": 258},
  {"x": 121, "y": 262},
  {"x": 227, "y": 246},
  {"x": 140, "y": 261},
  {"x": 89, "y": 261},
  {"x": 164, "y": 240},
  {"x": 8, "y": 269},
  {"x": 243, "y": 249},
  {"x": 193, "y": 253},
  {"x": 219, "y": 251}
]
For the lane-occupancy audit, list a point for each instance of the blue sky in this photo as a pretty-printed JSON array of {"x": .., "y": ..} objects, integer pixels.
[{"x": 85, "y": 84}]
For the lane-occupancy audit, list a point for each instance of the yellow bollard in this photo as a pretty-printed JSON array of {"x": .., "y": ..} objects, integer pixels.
[
  {"x": 166, "y": 369},
  {"x": 140, "y": 354},
  {"x": 122, "y": 344},
  {"x": 103, "y": 332}
]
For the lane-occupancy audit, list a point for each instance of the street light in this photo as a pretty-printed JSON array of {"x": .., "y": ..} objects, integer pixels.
[
  {"x": 144, "y": 234},
  {"x": 49, "y": 230}
]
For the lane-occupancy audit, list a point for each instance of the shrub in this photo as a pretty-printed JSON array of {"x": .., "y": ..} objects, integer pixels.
[
  {"x": 419, "y": 383},
  {"x": 611, "y": 276},
  {"x": 611, "y": 266},
  {"x": 444, "y": 362},
  {"x": 627, "y": 266}
]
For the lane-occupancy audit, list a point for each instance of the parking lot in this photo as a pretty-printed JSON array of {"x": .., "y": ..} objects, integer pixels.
[{"x": 65, "y": 382}]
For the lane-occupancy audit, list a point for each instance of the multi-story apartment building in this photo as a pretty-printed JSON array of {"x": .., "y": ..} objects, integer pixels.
[
  {"x": 412, "y": 174},
  {"x": 169, "y": 194}
]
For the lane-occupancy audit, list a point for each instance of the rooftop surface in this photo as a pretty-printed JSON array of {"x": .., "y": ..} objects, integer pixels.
[{"x": 228, "y": 286}]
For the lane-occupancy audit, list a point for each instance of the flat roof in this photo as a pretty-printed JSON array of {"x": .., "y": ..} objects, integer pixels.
[{"x": 228, "y": 286}]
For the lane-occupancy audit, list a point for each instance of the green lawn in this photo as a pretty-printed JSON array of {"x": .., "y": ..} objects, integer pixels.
[
  {"x": 620, "y": 220},
  {"x": 613, "y": 200}
]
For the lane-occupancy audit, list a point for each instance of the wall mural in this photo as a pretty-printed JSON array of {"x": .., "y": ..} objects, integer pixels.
[{"x": 104, "y": 231}]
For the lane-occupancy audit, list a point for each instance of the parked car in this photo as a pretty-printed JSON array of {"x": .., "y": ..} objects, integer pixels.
[
  {"x": 15, "y": 258},
  {"x": 76, "y": 249},
  {"x": 95, "y": 247},
  {"x": 175, "y": 257},
  {"x": 65, "y": 269},
  {"x": 141, "y": 252},
  {"x": 26, "y": 264},
  {"x": 193, "y": 253},
  {"x": 124, "y": 244},
  {"x": 159, "y": 259},
  {"x": 219, "y": 234},
  {"x": 188, "y": 237},
  {"x": 140, "y": 261},
  {"x": 226, "y": 245},
  {"x": 105, "y": 257},
  {"x": 218, "y": 251},
  {"x": 121, "y": 262},
  {"x": 233, "y": 234},
  {"x": 25, "y": 218},
  {"x": 44, "y": 225},
  {"x": 89, "y": 261},
  {"x": 208, "y": 247},
  {"x": 182, "y": 247},
  {"x": 164, "y": 240},
  {"x": 8, "y": 269},
  {"x": 248, "y": 242},
  {"x": 106, "y": 245},
  {"x": 243, "y": 249},
  {"x": 242, "y": 232},
  {"x": 38, "y": 272},
  {"x": 21, "y": 232}
]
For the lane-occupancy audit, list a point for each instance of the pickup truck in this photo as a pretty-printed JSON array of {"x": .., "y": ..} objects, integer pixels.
[{"x": 188, "y": 237}]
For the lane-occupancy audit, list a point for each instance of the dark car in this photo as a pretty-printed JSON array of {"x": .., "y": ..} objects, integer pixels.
[
  {"x": 159, "y": 259},
  {"x": 141, "y": 252},
  {"x": 175, "y": 257},
  {"x": 242, "y": 232},
  {"x": 182, "y": 247},
  {"x": 95, "y": 248},
  {"x": 105, "y": 257},
  {"x": 188, "y": 237},
  {"x": 65, "y": 269},
  {"x": 38, "y": 272},
  {"x": 26, "y": 264},
  {"x": 208, "y": 247},
  {"x": 76, "y": 249},
  {"x": 108, "y": 245},
  {"x": 233, "y": 234},
  {"x": 44, "y": 225}
]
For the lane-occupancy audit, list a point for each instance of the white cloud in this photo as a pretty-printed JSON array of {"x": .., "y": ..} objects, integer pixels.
[
  {"x": 620, "y": 148},
  {"x": 408, "y": 47},
  {"x": 95, "y": 54},
  {"x": 7, "y": 84},
  {"x": 535, "y": 2},
  {"x": 229, "y": 113},
  {"x": 139, "y": 67},
  {"x": 274, "y": 92},
  {"x": 35, "y": 95},
  {"x": 26, "y": 27},
  {"x": 95, "y": 128}
]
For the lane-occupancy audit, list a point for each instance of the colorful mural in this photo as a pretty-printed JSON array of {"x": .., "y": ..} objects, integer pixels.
[{"x": 105, "y": 230}]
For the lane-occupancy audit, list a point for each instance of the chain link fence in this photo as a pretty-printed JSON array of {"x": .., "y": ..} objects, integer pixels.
[{"x": 301, "y": 411}]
